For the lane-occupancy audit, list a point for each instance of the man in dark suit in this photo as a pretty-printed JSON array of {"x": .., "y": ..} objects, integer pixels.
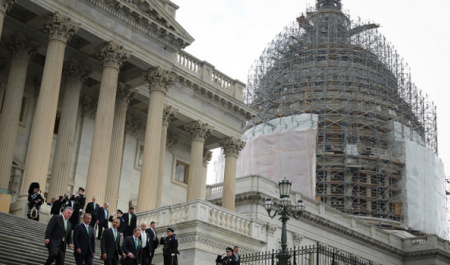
[
  {"x": 145, "y": 239},
  {"x": 84, "y": 242},
  {"x": 58, "y": 236},
  {"x": 92, "y": 209},
  {"x": 102, "y": 221},
  {"x": 77, "y": 202},
  {"x": 153, "y": 242},
  {"x": 110, "y": 244},
  {"x": 57, "y": 205},
  {"x": 130, "y": 222},
  {"x": 132, "y": 247}
]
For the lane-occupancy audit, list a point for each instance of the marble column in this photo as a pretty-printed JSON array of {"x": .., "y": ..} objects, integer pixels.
[
  {"x": 59, "y": 29},
  {"x": 168, "y": 115},
  {"x": 112, "y": 56},
  {"x": 231, "y": 148},
  {"x": 124, "y": 96},
  {"x": 5, "y": 6},
  {"x": 22, "y": 49},
  {"x": 196, "y": 181},
  {"x": 159, "y": 81},
  {"x": 74, "y": 73},
  {"x": 207, "y": 155}
]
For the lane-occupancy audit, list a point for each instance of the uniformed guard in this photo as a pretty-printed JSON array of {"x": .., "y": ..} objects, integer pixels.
[
  {"x": 229, "y": 259},
  {"x": 170, "y": 249}
]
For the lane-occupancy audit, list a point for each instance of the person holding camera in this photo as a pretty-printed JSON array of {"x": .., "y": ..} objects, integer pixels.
[{"x": 77, "y": 202}]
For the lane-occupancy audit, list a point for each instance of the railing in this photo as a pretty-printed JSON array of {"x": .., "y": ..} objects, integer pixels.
[
  {"x": 312, "y": 255},
  {"x": 207, "y": 73},
  {"x": 199, "y": 210}
]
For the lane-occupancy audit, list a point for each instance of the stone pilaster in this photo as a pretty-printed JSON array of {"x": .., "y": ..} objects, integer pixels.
[
  {"x": 231, "y": 148},
  {"x": 207, "y": 155},
  {"x": 5, "y": 6},
  {"x": 124, "y": 96},
  {"x": 168, "y": 115},
  {"x": 196, "y": 181},
  {"x": 74, "y": 73},
  {"x": 22, "y": 50},
  {"x": 59, "y": 30},
  {"x": 159, "y": 81},
  {"x": 112, "y": 56}
]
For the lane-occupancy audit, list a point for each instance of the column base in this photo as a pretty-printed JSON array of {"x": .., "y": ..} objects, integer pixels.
[{"x": 5, "y": 202}]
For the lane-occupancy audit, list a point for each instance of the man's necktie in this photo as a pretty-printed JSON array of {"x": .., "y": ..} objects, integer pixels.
[
  {"x": 106, "y": 215},
  {"x": 65, "y": 228},
  {"x": 115, "y": 234},
  {"x": 136, "y": 243},
  {"x": 87, "y": 229},
  {"x": 129, "y": 219},
  {"x": 144, "y": 241}
]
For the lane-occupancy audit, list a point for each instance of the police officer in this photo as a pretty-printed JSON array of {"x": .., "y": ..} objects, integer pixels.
[
  {"x": 229, "y": 259},
  {"x": 170, "y": 249}
]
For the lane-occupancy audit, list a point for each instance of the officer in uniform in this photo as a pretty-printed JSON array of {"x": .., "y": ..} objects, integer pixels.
[
  {"x": 170, "y": 249},
  {"x": 229, "y": 259}
]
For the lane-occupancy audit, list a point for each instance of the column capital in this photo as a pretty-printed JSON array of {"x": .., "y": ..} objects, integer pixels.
[
  {"x": 75, "y": 72},
  {"x": 113, "y": 54},
  {"x": 207, "y": 155},
  {"x": 171, "y": 142},
  {"x": 125, "y": 94},
  {"x": 232, "y": 146},
  {"x": 199, "y": 130},
  {"x": 168, "y": 114},
  {"x": 59, "y": 27},
  {"x": 6, "y": 5},
  {"x": 159, "y": 79},
  {"x": 21, "y": 47}
]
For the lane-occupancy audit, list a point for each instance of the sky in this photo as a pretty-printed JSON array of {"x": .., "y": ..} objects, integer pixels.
[{"x": 231, "y": 35}]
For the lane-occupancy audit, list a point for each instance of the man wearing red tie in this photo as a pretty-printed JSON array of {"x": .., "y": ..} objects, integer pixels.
[
  {"x": 84, "y": 241},
  {"x": 58, "y": 236}
]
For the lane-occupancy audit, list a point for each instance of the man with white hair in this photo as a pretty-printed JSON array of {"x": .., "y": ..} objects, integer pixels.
[
  {"x": 92, "y": 209},
  {"x": 102, "y": 221}
]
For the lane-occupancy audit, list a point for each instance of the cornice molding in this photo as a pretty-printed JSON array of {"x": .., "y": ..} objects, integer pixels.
[
  {"x": 215, "y": 100},
  {"x": 145, "y": 19}
]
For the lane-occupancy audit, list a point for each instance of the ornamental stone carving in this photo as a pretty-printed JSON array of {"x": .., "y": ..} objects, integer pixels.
[
  {"x": 159, "y": 79},
  {"x": 171, "y": 142},
  {"x": 113, "y": 54},
  {"x": 21, "y": 47},
  {"x": 198, "y": 130},
  {"x": 75, "y": 72},
  {"x": 133, "y": 125},
  {"x": 168, "y": 114},
  {"x": 6, "y": 5},
  {"x": 207, "y": 155},
  {"x": 59, "y": 27},
  {"x": 125, "y": 93},
  {"x": 271, "y": 228},
  {"x": 297, "y": 238},
  {"x": 232, "y": 146},
  {"x": 88, "y": 107}
]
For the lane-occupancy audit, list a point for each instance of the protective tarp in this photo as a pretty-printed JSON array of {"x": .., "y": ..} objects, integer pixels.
[
  {"x": 284, "y": 153},
  {"x": 424, "y": 188}
]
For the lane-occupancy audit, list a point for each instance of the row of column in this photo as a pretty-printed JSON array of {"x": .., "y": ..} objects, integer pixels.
[{"x": 107, "y": 144}]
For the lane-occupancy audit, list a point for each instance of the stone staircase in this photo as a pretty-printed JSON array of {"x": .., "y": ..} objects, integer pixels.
[{"x": 22, "y": 243}]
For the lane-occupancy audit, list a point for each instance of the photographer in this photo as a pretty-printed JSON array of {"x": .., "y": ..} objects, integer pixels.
[
  {"x": 77, "y": 202},
  {"x": 35, "y": 200}
]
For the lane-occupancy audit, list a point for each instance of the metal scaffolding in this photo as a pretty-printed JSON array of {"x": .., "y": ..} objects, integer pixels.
[{"x": 349, "y": 75}]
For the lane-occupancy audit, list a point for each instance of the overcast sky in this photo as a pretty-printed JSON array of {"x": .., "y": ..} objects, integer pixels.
[{"x": 231, "y": 35}]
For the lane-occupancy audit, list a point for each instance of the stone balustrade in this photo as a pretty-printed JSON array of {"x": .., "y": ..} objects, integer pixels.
[
  {"x": 200, "y": 210},
  {"x": 207, "y": 73}
]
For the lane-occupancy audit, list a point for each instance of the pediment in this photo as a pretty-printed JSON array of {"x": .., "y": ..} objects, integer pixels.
[{"x": 152, "y": 15}]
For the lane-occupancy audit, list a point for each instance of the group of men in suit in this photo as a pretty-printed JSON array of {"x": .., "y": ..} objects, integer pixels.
[{"x": 58, "y": 236}]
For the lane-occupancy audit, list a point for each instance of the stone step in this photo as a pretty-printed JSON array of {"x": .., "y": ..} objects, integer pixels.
[{"x": 22, "y": 242}]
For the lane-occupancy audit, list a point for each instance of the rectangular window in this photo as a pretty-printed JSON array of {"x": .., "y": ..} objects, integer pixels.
[
  {"x": 140, "y": 155},
  {"x": 181, "y": 172},
  {"x": 57, "y": 120}
]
